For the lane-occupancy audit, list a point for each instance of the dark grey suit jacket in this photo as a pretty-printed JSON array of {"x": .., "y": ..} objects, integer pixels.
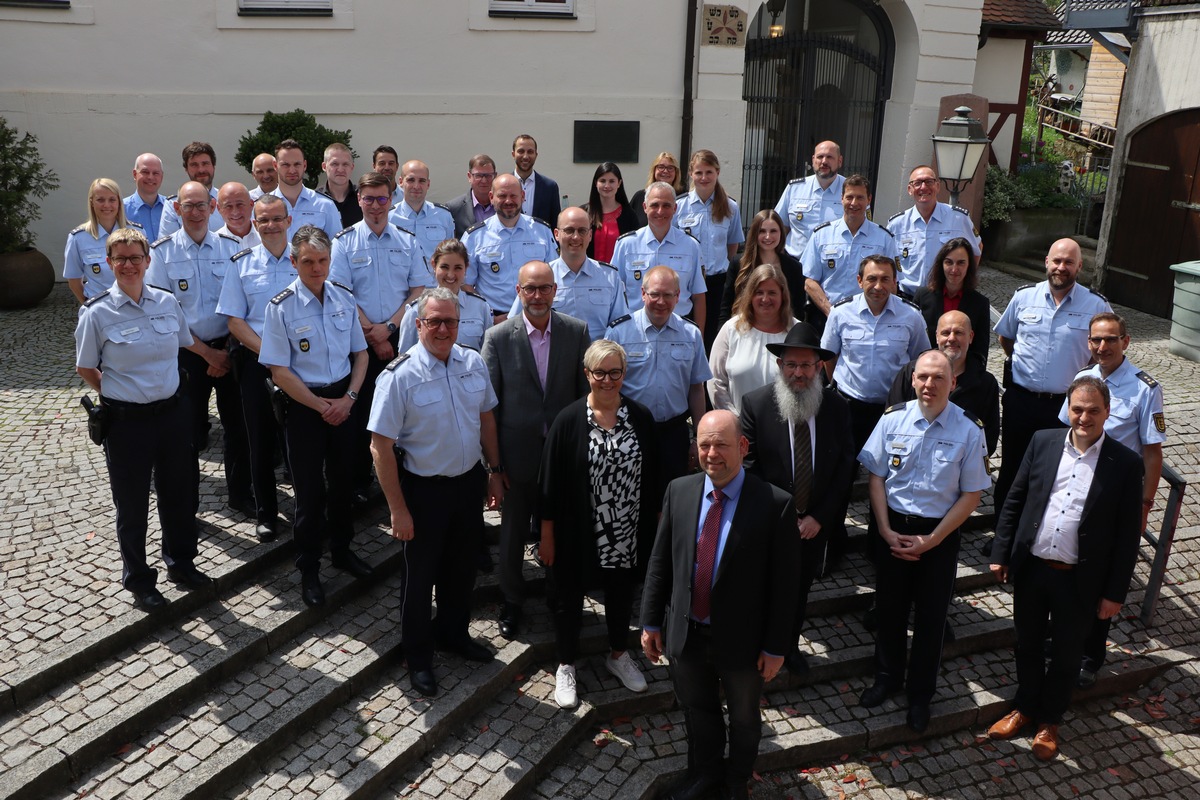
[
  {"x": 525, "y": 411},
  {"x": 547, "y": 202},
  {"x": 463, "y": 211}
]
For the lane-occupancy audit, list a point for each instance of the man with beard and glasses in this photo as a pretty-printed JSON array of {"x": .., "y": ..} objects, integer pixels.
[{"x": 799, "y": 435}]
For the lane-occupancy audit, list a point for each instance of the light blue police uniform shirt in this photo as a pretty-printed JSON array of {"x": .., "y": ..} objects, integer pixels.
[
  {"x": 662, "y": 364},
  {"x": 135, "y": 345},
  {"x": 804, "y": 205},
  {"x": 311, "y": 208},
  {"x": 594, "y": 294},
  {"x": 693, "y": 216},
  {"x": 919, "y": 241},
  {"x": 1135, "y": 415},
  {"x": 85, "y": 258},
  {"x": 926, "y": 466},
  {"x": 431, "y": 409},
  {"x": 1049, "y": 341},
  {"x": 833, "y": 254},
  {"x": 871, "y": 349},
  {"x": 312, "y": 338},
  {"x": 495, "y": 255},
  {"x": 148, "y": 216},
  {"x": 432, "y": 225},
  {"x": 637, "y": 252},
  {"x": 379, "y": 269},
  {"x": 252, "y": 279},
  {"x": 170, "y": 221},
  {"x": 474, "y": 318},
  {"x": 194, "y": 273}
]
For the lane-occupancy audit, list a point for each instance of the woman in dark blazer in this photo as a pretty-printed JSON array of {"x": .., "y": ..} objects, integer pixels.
[
  {"x": 764, "y": 245},
  {"x": 951, "y": 287},
  {"x": 599, "y": 509},
  {"x": 609, "y": 211}
]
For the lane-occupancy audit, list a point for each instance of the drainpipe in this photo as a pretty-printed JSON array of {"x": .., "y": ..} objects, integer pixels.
[{"x": 689, "y": 58}]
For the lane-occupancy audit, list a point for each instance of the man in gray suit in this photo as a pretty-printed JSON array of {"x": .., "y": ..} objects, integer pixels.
[{"x": 536, "y": 365}]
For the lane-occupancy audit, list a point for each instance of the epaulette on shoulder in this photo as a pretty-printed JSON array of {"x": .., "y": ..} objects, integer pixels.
[
  {"x": 910, "y": 303},
  {"x": 885, "y": 230},
  {"x": 284, "y": 295},
  {"x": 1102, "y": 297},
  {"x": 341, "y": 285},
  {"x": 961, "y": 210},
  {"x": 539, "y": 219},
  {"x": 606, "y": 264},
  {"x": 442, "y": 206},
  {"x": 466, "y": 347},
  {"x": 623, "y": 235},
  {"x": 844, "y": 300},
  {"x": 689, "y": 320},
  {"x": 136, "y": 225},
  {"x": 397, "y": 361},
  {"x": 343, "y": 232},
  {"x": 1023, "y": 288},
  {"x": 795, "y": 181},
  {"x": 1146, "y": 379},
  {"x": 897, "y": 214},
  {"x": 690, "y": 235},
  {"x": 403, "y": 230},
  {"x": 173, "y": 197},
  {"x": 229, "y": 236},
  {"x": 76, "y": 230},
  {"x": 160, "y": 288},
  {"x": 475, "y": 227},
  {"x": 241, "y": 253},
  {"x": 978, "y": 422},
  {"x": 822, "y": 225},
  {"x": 476, "y": 295},
  {"x": 91, "y": 300},
  {"x": 619, "y": 320},
  {"x": 160, "y": 240},
  {"x": 896, "y": 407}
]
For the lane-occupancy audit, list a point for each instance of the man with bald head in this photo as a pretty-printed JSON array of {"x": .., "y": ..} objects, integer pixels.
[
  {"x": 535, "y": 360},
  {"x": 814, "y": 200},
  {"x": 266, "y": 175},
  {"x": 237, "y": 209},
  {"x": 1044, "y": 335},
  {"x": 145, "y": 206},
  {"x": 431, "y": 222}
]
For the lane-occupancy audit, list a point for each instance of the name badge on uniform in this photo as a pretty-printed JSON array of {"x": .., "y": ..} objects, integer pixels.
[
  {"x": 304, "y": 329},
  {"x": 183, "y": 285},
  {"x": 495, "y": 267},
  {"x": 1030, "y": 316},
  {"x": 689, "y": 222},
  {"x": 361, "y": 260},
  {"x": 130, "y": 331},
  {"x": 304, "y": 345},
  {"x": 95, "y": 269}
]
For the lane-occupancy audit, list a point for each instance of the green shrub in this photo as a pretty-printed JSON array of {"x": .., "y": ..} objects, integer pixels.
[
  {"x": 299, "y": 125},
  {"x": 23, "y": 177}
]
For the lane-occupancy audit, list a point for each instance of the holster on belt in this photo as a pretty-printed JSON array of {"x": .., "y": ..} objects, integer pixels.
[
  {"x": 279, "y": 401},
  {"x": 1007, "y": 381},
  {"x": 98, "y": 419}
]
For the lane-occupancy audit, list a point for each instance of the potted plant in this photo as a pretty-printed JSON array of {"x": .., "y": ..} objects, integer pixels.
[{"x": 26, "y": 275}]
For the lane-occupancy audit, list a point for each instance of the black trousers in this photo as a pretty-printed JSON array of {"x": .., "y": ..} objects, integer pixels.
[
  {"x": 1095, "y": 644},
  {"x": 319, "y": 452},
  {"x": 1025, "y": 413},
  {"x": 565, "y": 599},
  {"x": 714, "y": 290},
  {"x": 235, "y": 446},
  {"x": 519, "y": 500},
  {"x": 674, "y": 442},
  {"x": 447, "y": 518},
  {"x": 812, "y": 555},
  {"x": 262, "y": 431},
  {"x": 699, "y": 681},
  {"x": 863, "y": 419},
  {"x": 145, "y": 440},
  {"x": 814, "y": 316},
  {"x": 361, "y": 414},
  {"x": 923, "y": 587},
  {"x": 1046, "y": 602}
]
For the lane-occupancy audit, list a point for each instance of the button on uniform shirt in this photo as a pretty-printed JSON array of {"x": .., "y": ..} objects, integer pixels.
[
  {"x": 832, "y": 255},
  {"x": 693, "y": 216},
  {"x": 85, "y": 257},
  {"x": 249, "y": 240},
  {"x": 314, "y": 339},
  {"x": 662, "y": 364},
  {"x": 1135, "y": 416},
  {"x": 926, "y": 465},
  {"x": 594, "y": 294},
  {"x": 496, "y": 255},
  {"x": 1057, "y": 537},
  {"x": 252, "y": 279},
  {"x": 432, "y": 225},
  {"x": 194, "y": 273},
  {"x": 170, "y": 221},
  {"x": 804, "y": 205},
  {"x": 1049, "y": 341},
  {"x": 311, "y": 209},
  {"x": 871, "y": 349},
  {"x": 136, "y": 344},
  {"x": 431, "y": 409},
  {"x": 919, "y": 241},
  {"x": 379, "y": 269},
  {"x": 148, "y": 216},
  {"x": 639, "y": 251},
  {"x": 474, "y": 318}
]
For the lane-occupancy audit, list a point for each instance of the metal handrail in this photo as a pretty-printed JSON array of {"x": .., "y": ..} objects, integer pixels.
[{"x": 1162, "y": 542}]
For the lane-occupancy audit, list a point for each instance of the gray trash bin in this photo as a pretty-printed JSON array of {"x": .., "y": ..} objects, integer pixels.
[{"x": 1185, "y": 317}]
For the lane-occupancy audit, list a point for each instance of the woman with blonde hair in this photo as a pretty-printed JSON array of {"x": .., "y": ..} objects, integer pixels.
[
  {"x": 84, "y": 263},
  {"x": 764, "y": 245},
  {"x": 665, "y": 168}
]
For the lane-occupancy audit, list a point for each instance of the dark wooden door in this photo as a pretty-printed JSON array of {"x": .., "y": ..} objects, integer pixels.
[{"x": 1158, "y": 217}]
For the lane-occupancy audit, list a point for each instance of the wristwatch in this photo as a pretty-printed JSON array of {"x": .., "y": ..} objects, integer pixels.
[
  {"x": 391, "y": 326},
  {"x": 495, "y": 469},
  {"x": 353, "y": 395}
]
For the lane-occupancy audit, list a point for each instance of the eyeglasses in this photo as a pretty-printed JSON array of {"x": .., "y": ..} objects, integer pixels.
[
  {"x": 531, "y": 289},
  {"x": 574, "y": 231},
  {"x": 366, "y": 201},
  {"x": 671, "y": 167},
  {"x": 923, "y": 182},
  {"x": 1109, "y": 340},
  {"x": 656, "y": 296},
  {"x": 606, "y": 374},
  {"x": 434, "y": 323},
  {"x": 482, "y": 176},
  {"x": 120, "y": 261},
  {"x": 186, "y": 207},
  {"x": 794, "y": 366}
]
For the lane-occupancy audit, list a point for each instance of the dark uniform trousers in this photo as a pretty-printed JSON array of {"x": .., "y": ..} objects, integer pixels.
[
  {"x": 318, "y": 451},
  {"x": 235, "y": 447},
  {"x": 145, "y": 439},
  {"x": 262, "y": 430},
  {"x": 361, "y": 414},
  {"x": 1046, "y": 603},
  {"x": 674, "y": 440},
  {"x": 447, "y": 514},
  {"x": 925, "y": 586},
  {"x": 864, "y": 417},
  {"x": 1025, "y": 413},
  {"x": 714, "y": 286}
]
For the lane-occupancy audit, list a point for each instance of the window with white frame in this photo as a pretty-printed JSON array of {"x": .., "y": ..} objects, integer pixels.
[
  {"x": 532, "y": 8},
  {"x": 285, "y": 8}
]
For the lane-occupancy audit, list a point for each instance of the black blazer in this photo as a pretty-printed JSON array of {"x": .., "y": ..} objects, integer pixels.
[
  {"x": 973, "y": 304},
  {"x": 793, "y": 273},
  {"x": 770, "y": 456},
  {"x": 754, "y": 594},
  {"x": 463, "y": 211},
  {"x": 1109, "y": 533},
  {"x": 547, "y": 200},
  {"x": 626, "y": 222}
]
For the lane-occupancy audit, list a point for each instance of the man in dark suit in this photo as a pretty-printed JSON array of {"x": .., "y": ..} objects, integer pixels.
[
  {"x": 1068, "y": 535},
  {"x": 542, "y": 199},
  {"x": 719, "y": 601},
  {"x": 476, "y": 205},
  {"x": 797, "y": 418},
  {"x": 536, "y": 364}
]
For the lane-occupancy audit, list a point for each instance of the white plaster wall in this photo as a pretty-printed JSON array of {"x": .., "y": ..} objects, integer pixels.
[{"x": 998, "y": 78}]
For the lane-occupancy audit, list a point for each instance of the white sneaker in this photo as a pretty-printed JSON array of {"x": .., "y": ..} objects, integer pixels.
[
  {"x": 627, "y": 672},
  {"x": 564, "y": 687}
]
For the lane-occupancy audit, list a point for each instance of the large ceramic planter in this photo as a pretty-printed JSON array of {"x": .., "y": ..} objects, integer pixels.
[
  {"x": 26, "y": 278},
  {"x": 1031, "y": 230}
]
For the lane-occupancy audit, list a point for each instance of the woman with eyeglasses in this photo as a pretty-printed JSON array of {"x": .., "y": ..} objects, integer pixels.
[
  {"x": 951, "y": 287},
  {"x": 599, "y": 509},
  {"x": 84, "y": 265},
  {"x": 665, "y": 168},
  {"x": 127, "y": 345},
  {"x": 609, "y": 211}
]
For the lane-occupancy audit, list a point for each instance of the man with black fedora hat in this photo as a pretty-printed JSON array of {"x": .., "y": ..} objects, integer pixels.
[{"x": 799, "y": 434}]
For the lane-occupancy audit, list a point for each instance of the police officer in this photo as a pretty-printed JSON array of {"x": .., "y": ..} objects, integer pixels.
[
  {"x": 660, "y": 244},
  {"x": 431, "y": 222},
  {"x": 922, "y": 230},
  {"x": 382, "y": 265},
  {"x": 304, "y": 205},
  {"x": 926, "y": 460},
  {"x": 1136, "y": 420},
  {"x": 84, "y": 264},
  {"x": 814, "y": 200},
  {"x": 499, "y": 246},
  {"x": 666, "y": 368},
  {"x": 126, "y": 344},
  {"x": 835, "y": 249},
  {"x": 1044, "y": 335},
  {"x": 431, "y": 473},
  {"x": 317, "y": 356},
  {"x": 237, "y": 209},
  {"x": 200, "y": 164},
  {"x": 449, "y": 261},
  {"x": 191, "y": 264},
  {"x": 256, "y": 275}
]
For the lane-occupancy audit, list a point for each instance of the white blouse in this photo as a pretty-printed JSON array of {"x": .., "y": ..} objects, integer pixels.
[{"x": 740, "y": 363}]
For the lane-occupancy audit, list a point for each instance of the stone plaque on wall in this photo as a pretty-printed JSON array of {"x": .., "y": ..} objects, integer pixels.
[{"x": 723, "y": 26}]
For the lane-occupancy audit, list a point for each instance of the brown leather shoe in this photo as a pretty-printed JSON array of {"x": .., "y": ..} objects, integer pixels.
[
  {"x": 1045, "y": 742},
  {"x": 1009, "y": 725}
]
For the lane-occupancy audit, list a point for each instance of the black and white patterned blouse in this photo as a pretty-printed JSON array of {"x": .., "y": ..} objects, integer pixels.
[{"x": 615, "y": 468}]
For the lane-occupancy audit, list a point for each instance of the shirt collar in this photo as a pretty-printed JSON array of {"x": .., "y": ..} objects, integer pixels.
[
  {"x": 475, "y": 201},
  {"x": 1091, "y": 452},
  {"x": 136, "y": 202},
  {"x": 732, "y": 490},
  {"x": 532, "y": 331}
]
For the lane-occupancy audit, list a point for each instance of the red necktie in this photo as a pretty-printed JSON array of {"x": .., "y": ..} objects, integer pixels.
[{"x": 706, "y": 557}]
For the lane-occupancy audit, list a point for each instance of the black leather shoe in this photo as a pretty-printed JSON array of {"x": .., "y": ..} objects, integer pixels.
[
  {"x": 510, "y": 620},
  {"x": 190, "y": 577},
  {"x": 360, "y": 498},
  {"x": 483, "y": 562},
  {"x": 796, "y": 662},
  {"x": 266, "y": 531},
  {"x": 423, "y": 682},
  {"x": 149, "y": 600},
  {"x": 312, "y": 591},
  {"x": 692, "y": 787},
  {"x": 1086, "y": 678},
  {"x": 918, "y": 716},
  {"x": 735, "y": 792},
  {"x": 870, "y": 618},
  {"x": 875, "y": 695},
  {"x": 469, "y": 649},
  {"x": 351, "y": 563},
  {"x": 949, "y": 635},
  {"x": 243, "y": 505}
]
